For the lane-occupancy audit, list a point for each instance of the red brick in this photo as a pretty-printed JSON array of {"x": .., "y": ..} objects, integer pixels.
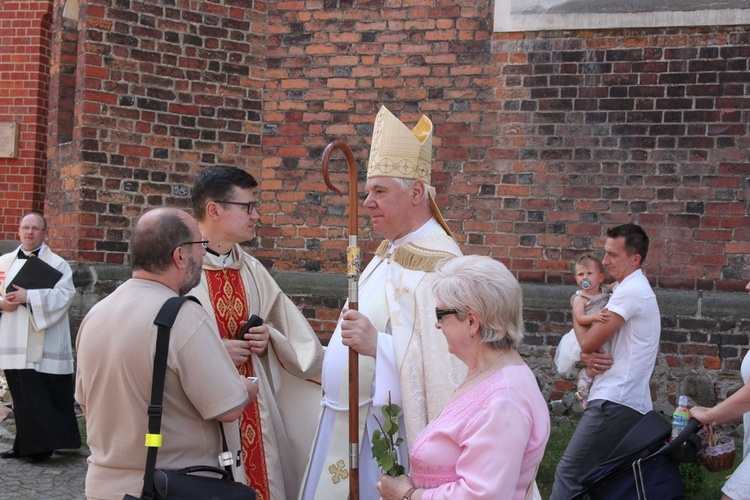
[{"x": 330, "y": 69}]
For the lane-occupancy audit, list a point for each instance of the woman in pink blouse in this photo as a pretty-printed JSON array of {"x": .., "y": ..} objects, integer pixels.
[{"x": 490, "y": 438}]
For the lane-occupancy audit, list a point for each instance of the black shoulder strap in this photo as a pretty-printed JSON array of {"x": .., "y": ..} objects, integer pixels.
[{"x": 164, "y": 320}]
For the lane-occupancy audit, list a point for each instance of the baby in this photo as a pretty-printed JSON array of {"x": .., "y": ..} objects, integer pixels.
[{"x": 588, "y": 307}]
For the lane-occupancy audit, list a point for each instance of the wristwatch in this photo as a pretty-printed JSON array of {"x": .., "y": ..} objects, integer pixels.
[{"x": 408, "y": 494}]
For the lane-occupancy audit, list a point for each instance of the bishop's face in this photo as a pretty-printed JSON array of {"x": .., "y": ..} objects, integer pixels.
[{"x": 389, "y": 206}]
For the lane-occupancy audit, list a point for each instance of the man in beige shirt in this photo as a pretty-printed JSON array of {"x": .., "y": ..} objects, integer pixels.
[{"x": 116, "y": 344}]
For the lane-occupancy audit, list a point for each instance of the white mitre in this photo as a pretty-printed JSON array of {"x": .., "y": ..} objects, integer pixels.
[{"x": 399, "y": 152}]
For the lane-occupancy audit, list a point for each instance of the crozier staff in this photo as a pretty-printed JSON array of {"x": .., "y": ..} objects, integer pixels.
[{"x": 393, "y": 331}]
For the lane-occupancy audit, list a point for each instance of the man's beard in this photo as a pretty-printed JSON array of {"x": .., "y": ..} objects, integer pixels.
[{"x": 193, "y": 277}]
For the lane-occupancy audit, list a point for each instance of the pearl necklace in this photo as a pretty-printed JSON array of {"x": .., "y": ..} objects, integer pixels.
[{"x": 467, "y": 380}]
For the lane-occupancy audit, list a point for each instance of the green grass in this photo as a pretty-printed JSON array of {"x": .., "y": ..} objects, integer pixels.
[
  {"x": 699, "y": 482},
  {"x": 558, "y": 440}
]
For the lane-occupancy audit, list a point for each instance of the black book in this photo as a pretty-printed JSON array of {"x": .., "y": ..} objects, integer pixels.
[{"x": 34, "y": 275}]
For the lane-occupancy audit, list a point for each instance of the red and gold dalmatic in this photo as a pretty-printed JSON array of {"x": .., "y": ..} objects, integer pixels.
[
  {"x": 229, "y": 301},
  {"x": 233, "y": 287}
]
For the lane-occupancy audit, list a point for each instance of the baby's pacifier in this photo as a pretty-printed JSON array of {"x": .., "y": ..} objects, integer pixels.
[{"x": 585, "y": 284}]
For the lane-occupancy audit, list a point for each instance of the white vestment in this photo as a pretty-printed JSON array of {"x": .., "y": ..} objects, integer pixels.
[
  {"x": 412, "y": 363},
  {"x": 37, "y": 335},
  {"x": 289, "y": 373}
]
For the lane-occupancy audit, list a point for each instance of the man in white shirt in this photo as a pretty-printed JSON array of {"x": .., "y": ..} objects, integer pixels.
[
  {"x": 620, "y": 392},
  {"x": 401, "y": 351}
]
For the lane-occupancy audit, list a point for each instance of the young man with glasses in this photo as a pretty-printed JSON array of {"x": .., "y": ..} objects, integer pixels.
[
  {"x": 284, "y": 353},
  {"x": 402, "y": 354},
  {"x": 35, "y": 349}
]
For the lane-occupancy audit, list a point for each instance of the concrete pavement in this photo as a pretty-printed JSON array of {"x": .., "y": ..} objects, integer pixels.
[{"x": 60, "y": 477}]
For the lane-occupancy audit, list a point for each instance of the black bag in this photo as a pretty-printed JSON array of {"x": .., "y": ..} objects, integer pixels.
[
  {"x": 160, "y": 484},
  {"x": 181, "y": 484}
]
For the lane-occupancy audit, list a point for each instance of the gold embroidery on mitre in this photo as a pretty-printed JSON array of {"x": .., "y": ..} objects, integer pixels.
[
  {"x": 338, "y": 472},
  {"x": 399, "y": 152},
  {"x": 416, "y": 258}
]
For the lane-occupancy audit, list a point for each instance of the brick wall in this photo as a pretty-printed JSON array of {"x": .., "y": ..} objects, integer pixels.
[
  {"x": 162, "y": 89},
  {"x": 649, "y": 126},
  {"x": 542, "y": 140},
  {"x": 24, "y": 81}
]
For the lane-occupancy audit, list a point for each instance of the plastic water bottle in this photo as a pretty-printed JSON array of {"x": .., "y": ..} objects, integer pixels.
[{"x": 680, "y": 417}]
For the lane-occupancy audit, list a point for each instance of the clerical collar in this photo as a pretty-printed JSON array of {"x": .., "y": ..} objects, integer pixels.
[
  {"x": 208, "y": 250},
  {"x": 22, "y": 254},
  {"x": 415, "y": 235},
  {"x": 218, "y": 260}
]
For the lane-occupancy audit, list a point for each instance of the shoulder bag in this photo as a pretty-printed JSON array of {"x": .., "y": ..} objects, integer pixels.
[{"x": 163, "y": 484}]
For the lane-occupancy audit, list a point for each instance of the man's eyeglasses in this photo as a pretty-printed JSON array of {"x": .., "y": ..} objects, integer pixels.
[
  {"x": 439, "y": 313},
  {"x": 250, "y": 205},
  {"x": 203, "y": 243}
]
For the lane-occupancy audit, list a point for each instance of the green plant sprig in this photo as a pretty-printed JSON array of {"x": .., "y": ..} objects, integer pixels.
[{"x": 383, "y": 443}]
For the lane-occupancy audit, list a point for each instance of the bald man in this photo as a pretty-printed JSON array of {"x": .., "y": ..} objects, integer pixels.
[{"x": 116, "y": 345}]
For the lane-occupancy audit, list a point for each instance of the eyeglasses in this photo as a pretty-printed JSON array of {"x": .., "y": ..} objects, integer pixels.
[
  {"x": 203, "y": 243},
  {"x": 33, "y": 229},
  {"x": 439, "y": 313},
  {"x": 250, "y": 205}
]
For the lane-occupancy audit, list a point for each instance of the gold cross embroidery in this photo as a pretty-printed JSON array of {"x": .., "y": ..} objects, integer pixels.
[{"x": 338, "y": 471}]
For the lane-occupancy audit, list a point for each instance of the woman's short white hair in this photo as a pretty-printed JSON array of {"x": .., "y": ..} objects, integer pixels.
[{"x": 485, "y": 286}]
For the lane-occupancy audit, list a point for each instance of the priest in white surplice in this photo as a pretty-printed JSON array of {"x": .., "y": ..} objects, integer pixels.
[
  {"x": 35, "y": 349},
  {"x": 400, "y": 349}
]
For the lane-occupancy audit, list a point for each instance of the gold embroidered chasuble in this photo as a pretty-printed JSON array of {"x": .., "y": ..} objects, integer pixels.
[{"x": 289, "y": 372}]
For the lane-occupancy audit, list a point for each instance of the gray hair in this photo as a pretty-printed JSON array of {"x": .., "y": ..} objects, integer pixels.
[
  {"x": 485, "y": 286},
  {"x": 406, "y": 184},
  {"x": 156, "y": 235}
]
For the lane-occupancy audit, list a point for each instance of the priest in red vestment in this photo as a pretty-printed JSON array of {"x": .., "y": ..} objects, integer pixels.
[{"x": 285, "y": 355}]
